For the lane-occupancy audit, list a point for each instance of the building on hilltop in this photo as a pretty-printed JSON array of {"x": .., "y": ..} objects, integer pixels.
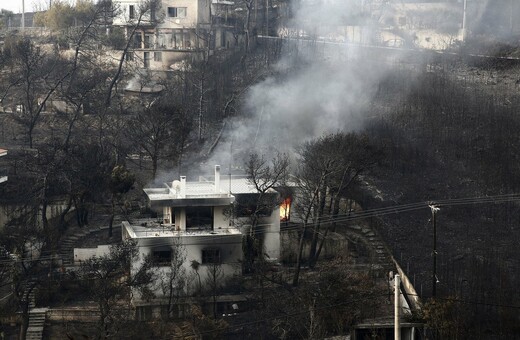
[{"x": 173, "y": 30}]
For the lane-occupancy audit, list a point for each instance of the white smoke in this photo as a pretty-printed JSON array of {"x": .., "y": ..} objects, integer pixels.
[
  {"x": 324, "y": 82},
  {"x": 318, "y": 87}
]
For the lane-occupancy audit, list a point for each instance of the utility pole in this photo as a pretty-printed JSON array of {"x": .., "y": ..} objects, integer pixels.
[
  {"x": 434, "y": 210},
  {"x": 397, "y": 284},
  {"x": 464, "y": 21},
  {"x": 266, "y": 33},
  {"x": 23, "y": 15}
]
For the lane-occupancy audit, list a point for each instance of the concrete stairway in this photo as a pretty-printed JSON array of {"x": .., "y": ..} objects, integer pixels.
[
  {"x": 67, "y": 246},
  {"x": 36, "y": 323},
  {"x": 32, "y": 294},
  {"x": 381, "y": 255},
  {"x": 68, "y": 242}
]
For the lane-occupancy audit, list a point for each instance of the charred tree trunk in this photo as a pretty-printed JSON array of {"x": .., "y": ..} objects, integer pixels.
[
  {"x": 296, "y": 276},
  {"x": 112, "y": 215},
  {"x": 317, "y": 226}
]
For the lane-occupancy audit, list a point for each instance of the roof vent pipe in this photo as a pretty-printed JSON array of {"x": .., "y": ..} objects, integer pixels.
[
  {"x": 217, "y": 179},
  {"x": 183, "y": 186}
]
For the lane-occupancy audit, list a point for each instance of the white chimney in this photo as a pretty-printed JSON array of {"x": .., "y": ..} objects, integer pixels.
[
  {"x": 217, "y": 179},
  {"x": 183, "y": 186}
]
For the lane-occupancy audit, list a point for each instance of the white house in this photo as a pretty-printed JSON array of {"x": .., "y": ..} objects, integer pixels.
[
  {"x": 197, "y": 217},
  {"x": 173, "y": 30}
]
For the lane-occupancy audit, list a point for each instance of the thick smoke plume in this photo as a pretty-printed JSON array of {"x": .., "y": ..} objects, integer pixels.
[
  {"x": 318, "y": 87},
  {"x": 326, "y": 80}
]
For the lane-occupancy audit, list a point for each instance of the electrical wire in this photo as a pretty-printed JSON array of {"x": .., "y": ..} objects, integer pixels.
[{"x": 341, "y": 218}]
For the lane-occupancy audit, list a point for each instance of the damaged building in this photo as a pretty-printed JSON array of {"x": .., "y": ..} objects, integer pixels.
[
  {"x": 171, "y": 31},
  {"x": 198, "y": 216}
]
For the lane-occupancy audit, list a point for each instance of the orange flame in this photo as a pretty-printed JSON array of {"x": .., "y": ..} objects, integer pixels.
[{"x": 285, "y": 209}]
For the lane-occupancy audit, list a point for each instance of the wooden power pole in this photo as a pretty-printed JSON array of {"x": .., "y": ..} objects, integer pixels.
[{"x": 434, "y": 271}]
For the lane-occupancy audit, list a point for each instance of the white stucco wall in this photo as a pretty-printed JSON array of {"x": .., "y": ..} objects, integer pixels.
[
  {"x": 82, "y": 254},
  {"x": 272, "y": 235},
  {"x": 230, "y": 247},
  {"x": 197, "y": 11},
  {"x": 269, "y": 228},
  {"x": 220, "y": 220}
]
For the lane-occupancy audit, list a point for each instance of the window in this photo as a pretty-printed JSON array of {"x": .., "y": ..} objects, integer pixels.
[
  {"x": 177, "y": 12},
  {"x": 153, "y": 17},
  {"x": 210, "y": 255},
  {"x": 146, "y": 59},
  {"x": 138, "y": 40},
  {"x": 162, "y": 257},
  {"x": 157, "y": 56},
  {"x": 246, "y": 204},
  {"x": 129, "y": 56},
  {"x": 148, "y": 41},
  {"x": 131, "y": 12},
  {"x": 199, "y": 218}
]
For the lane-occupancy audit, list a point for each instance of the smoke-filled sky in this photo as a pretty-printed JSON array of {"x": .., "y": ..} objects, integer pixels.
[{"x": 319, "y": 88}]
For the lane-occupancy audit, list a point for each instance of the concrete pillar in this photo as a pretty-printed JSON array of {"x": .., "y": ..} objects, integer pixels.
[
  {"x": 183, "y": 187},
  {"x": 217, "y": 179}
]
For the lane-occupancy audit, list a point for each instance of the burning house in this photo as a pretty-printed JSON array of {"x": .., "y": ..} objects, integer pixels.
[{"x": 199, "y": 217}]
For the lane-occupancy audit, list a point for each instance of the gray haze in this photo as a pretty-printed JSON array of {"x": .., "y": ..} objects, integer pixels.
[{"x": 318, "y": 88}]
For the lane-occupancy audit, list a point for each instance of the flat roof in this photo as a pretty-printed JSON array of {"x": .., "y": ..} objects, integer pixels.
[
  {"x": 200, "y": 193},
  {"x": 204, "y": 188}
]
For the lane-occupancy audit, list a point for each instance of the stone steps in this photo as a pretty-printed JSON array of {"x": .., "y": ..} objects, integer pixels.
[
  {"x": 381, "y": 255},
  {"x": 36, "y": 323},
  {"x": 68, "y": 243}
]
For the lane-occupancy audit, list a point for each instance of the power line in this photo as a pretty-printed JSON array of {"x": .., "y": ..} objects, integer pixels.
[{"x": 348, "y": 217}]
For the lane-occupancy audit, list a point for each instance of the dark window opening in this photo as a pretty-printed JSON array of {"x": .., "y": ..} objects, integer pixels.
[
  {"x": 177, "y": 12},
  {"x": 148, "y": 41},
  {"x": 199, "y": 218},
  {"x": 129, "y": 56},
  {"x": 131, "y": 12},
  {"x": 247, "y": 204},
  {"x": 211, "y": 256},
  {"x": 137, "y": 40},
  {"x": 153, "y": 17},
  {"x": 146, "y": 59},
  {"x": 162, "y": 257}
]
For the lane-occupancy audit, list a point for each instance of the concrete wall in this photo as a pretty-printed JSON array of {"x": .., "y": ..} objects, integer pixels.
[
  {"x": 269, "y": 228},
  {"x": 230, "y": 247},
  {"x": 82, "y": 254},
  {"x": 409, "y": 289},
  {"x": 272, "y": 235},
  {"x": 197, "y": 11},
  {"x": 10, "y": 211},
  {"x": 220, "y": 220}
]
